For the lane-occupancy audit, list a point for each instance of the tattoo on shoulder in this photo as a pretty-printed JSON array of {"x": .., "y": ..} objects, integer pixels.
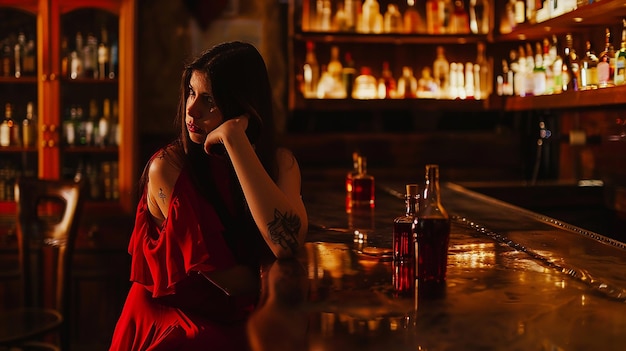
[
  {"x": 284, "y": 230},
  {"x": 162, "y": 195}
]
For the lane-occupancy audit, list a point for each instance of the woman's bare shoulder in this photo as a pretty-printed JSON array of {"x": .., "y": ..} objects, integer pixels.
[{"x": 285, "y": 158}]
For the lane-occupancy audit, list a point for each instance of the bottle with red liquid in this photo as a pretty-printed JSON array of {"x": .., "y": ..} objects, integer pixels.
[
  {"x": 362, "y": 185},
  {"x": 404, "y": 245},
  {"x": 403, "y": 227},
  {"x": 432, "y": 232}
]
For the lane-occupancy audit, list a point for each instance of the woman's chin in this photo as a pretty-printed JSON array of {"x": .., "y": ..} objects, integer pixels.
[{"x": 197, "y": 138}]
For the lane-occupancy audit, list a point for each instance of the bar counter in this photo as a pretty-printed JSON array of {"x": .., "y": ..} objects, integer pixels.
[{"x": 516, "y": 280}]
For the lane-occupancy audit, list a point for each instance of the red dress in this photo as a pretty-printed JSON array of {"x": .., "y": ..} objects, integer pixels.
[{"x": 170, "y": 306}]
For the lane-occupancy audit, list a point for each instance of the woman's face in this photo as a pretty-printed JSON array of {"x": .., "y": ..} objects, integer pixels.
[{"x": 202, "y": 114}]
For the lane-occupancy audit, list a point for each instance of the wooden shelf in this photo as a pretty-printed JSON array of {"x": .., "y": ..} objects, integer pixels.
[
  {"x": 395, "y": 38},
  {"x": 568, "y": 100},
  {"x": 600, "y": 13},
  {"x": 390, "y": 104}
]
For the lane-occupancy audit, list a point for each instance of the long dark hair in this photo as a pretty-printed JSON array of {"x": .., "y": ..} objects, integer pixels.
[{"x": 240, "y": 85}]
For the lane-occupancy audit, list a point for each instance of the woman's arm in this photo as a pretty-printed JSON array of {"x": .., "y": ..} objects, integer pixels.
[{"x": 276, "y": 207}]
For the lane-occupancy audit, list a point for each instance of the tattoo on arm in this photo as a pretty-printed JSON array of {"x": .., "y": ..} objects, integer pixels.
[
  {"x": 284, "y": 230},
  {"x": 162, "y": 195}
]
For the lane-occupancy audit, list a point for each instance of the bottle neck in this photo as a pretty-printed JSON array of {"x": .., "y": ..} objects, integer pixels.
[{"x": 411, "y": 204}]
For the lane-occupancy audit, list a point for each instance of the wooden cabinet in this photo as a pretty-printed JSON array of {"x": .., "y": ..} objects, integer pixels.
[
  {"x": 69, "y": 143},
  {"x": 100, "y": 278}
]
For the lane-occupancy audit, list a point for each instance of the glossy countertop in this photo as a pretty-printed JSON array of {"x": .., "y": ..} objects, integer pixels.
[{"x": 516, "y": 280}]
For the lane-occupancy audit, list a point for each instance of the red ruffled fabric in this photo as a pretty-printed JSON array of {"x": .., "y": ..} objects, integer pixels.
[
  {"x": 161, "y": 257},
  {"x": 170, "y": 306}
]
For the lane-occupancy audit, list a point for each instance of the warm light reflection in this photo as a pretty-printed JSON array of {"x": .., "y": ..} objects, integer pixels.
[
  {"x": 360, "y": 239},
  {"x": 474, "y": 255},
  {"x": 583, "y": 300},
  {"x": 560, "y": 284}
]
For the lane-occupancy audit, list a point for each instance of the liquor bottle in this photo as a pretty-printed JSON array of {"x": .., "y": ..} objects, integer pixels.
[
  {"x": 113, "y": 58},
  {"x": 19, "y": 50},
  {"x": 91, "y": 124},
  {"x": 479, "y": 16},
  {"x": 547, "y": 65},
  {"x": 311, "y": 71},
  {"x": 529, "y": 78},
  {"x": 469, "y": 80},
  {"x": 103, "y": 56},
  {"x": 82, "y": 128},
  {"x": 413, "y": 20},
  {"x": 7, "y": 125},
  {"x": 432, "y": 232},
  {"x": 365, "y": 86},
  {"x": 404, "y": 226},
  {"x": 7, "y": 59},
  {"x": 335, "y": 66},
  {"x": 392, "y": 20},
  {"x": 90, "y": 56},
  {"x": 371, "y": 18},
  {"x": 29, "y": 127},
  {"x": 557, "y": 66},
  {"x": 620, "y": 59},
  {"x": 435, "y": 16},
  {"x": 441, "y": 71},
  {"x": 339, "y": 23},
  {"x": 520, "y": 11},
  {"x": 571, "y": 65},
  {"x": 604, "y": 69},
  {"x": 104, "y": 124},
  {"x": 539, "y": 72},
  {"x": 507, "y": 79},
  {"x": 363, "y": 194},
  {"x": 387, "y": 88},
  {"x": 407, "y": 84},
  {"x": 348, "y": 73},
  {"x": 589, "y": 68},
  {"x": 518, "y": 65},
  {"x": 29, "y": 62},
  {"x": 351, "y": 11},
  {"x": 459, "y": 21}
]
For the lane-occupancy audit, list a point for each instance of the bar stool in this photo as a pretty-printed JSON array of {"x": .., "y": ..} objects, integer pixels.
[{"x": 48, "y": 214}]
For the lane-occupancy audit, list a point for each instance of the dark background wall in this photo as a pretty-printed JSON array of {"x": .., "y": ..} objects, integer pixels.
[{"x": 170, "y": 33}]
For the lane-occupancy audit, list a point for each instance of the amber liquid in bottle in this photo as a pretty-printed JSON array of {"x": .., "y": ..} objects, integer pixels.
[
  {"x": 362, "y": 186},
  {"x": 432, "y": 232}
]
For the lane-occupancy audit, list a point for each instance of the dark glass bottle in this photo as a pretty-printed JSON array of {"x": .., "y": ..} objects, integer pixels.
[
  {"x": 432, "y": 231},
  {"x": 403, "y": 227}
]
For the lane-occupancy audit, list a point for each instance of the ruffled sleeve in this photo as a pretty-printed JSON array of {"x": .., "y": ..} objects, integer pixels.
[{"x": 161, "y": 257}]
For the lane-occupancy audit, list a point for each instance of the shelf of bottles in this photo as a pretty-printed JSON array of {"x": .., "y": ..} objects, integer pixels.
[
  {"x": 391, "y": 50},
  {"x": 89, "y": 101},
  {"x": 18, "y": 98},
  {"x": 552, "y": 56}
]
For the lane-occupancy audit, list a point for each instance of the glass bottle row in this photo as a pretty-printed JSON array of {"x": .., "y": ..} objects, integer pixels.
[
  {"x": 98, "y": 126},
  {"x": 19, "y": 55},
  {"x": 412, "y": 16},
  {"x": 444, "y": 80},
  {"x": 20, "y": 132},
  {"x": 548, "y": 70}
]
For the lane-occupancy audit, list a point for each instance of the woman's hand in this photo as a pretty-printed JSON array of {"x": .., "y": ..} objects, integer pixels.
[{"x": 229, "y": 128}]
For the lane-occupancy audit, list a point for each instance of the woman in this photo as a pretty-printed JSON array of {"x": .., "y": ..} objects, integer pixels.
[{"x": 216, "y": 203}]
